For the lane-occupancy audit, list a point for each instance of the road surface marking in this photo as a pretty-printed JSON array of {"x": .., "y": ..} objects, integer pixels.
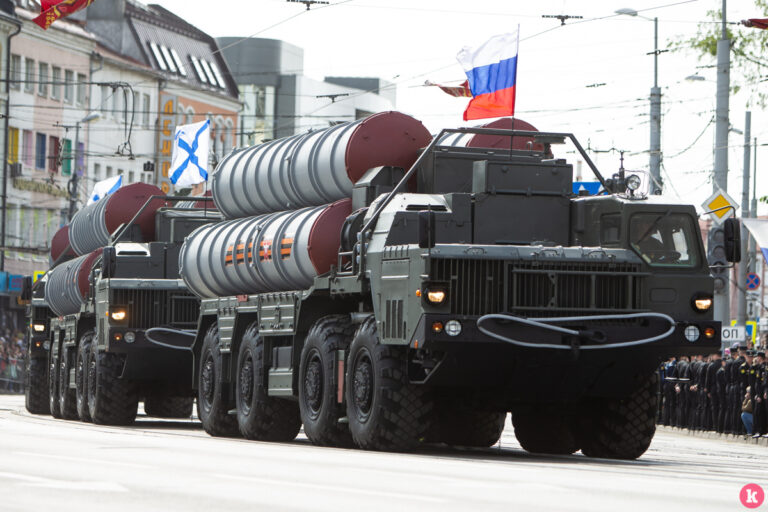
[{"x": 81, "y": 459}]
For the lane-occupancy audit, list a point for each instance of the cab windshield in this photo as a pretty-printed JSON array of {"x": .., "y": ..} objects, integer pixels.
[{"x": 664, "y": 239}]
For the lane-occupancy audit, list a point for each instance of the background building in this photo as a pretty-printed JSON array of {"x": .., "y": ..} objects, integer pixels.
[{"x": 280, "y": 100}]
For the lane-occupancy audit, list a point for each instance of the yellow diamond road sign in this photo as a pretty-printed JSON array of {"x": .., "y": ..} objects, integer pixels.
[{"x": 720, "y": 201}]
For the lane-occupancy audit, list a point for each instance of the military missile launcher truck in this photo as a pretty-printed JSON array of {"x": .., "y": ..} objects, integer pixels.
[
  {"x": 38, "y": 316},
  {"x": 101, "y": 363},
  {"x": 444, "y": 288}
]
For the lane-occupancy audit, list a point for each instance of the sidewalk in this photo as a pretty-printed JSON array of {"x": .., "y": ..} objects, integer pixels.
[{"x": 762, "y": 441}]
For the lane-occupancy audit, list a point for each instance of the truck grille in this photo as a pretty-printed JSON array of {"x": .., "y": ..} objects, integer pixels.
[
  {"x": 539, "y": 288},
  {"x": 41, "y": 314},
  {"x": 155, "y": 308}
]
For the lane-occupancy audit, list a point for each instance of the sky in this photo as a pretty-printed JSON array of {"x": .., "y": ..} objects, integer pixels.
[{"x": 409, "y": 41}]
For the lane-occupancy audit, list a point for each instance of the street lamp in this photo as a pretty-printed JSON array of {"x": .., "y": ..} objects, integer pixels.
[
  {"x": 655, "y": 150},
  {"x": 72, "y": 185}
]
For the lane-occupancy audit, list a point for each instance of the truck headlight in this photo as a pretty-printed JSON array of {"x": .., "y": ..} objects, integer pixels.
[
  {"x": 633, "y": 182},
  {"x": 118, "y": 315},
  {"x": 702, "y": 303},
  {"x": 436, "y": 296},
  {"x": 38, "y": 327}
]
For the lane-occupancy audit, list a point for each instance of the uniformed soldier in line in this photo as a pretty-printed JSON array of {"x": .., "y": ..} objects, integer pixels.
[
  {"x": 731, "y": 369},
  {"x": 668, "y": 390},
  {"x": 698, "y": 375},
  {"x": 661, "y": 370},
  {"x": 682, "y": 391},
  {"x": 744, "y": 377},
  {"x": 718, "y": 397},
  {"x": 708, "y": 391},
  {"x": 759, "y": 390}
]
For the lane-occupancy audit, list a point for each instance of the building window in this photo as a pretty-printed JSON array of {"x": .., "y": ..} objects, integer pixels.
[
  {"x": 28, "y": 156},
  {"x": 110, "y": 172},
  {"x": 115, "y": 104},
  {"x": 69, "y": 84},
  {"x": 13, "y": 145},
  {"x": 145, "y": 113},
  {"x": 40, "y": 152},
  {"x": 81, "y": 89},
  {"x": 29, "y": 75},
  {"x": 104, "y": 93},
  {"x": 42, "y": 79},
  {"x": 15, "y": 71},
  {"x": 56, "y": 85},
  {"x": 66, "y": 158},
  {"x": 96, "y": 172},
  {"x": 53, "y": 157},
  {"x": 131, "y": 176}
]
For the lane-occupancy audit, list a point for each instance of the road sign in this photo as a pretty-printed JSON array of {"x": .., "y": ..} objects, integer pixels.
[
  {"x": 720, "y": 199},
  {"x": 753, "y": 281},
  {"x": 732, "y": 334},
  {"x": 750, "y": 330},
  {"x": 37, "y": 274},
  {"x": 592, "y": 187}
]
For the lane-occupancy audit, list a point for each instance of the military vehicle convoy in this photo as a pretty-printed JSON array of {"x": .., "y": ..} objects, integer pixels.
[
  {"x": 123, "y": 282},
  {"x": 386, "y": 288}
]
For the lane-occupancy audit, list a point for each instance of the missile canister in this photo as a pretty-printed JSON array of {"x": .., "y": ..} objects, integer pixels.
[
  {"x": 474, "y": 140},
  {"x": 314, "y": 168},
  {"x": 92, "y": 226},
  {"x": 271, "y": 252},
  {"x": 67, "y": 286},
  {"x": 59, "y": 244}
]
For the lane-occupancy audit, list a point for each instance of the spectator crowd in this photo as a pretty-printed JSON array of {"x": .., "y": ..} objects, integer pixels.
[
  {"x": 725, "y": 393},
  {"x": 12, "y": 362}
]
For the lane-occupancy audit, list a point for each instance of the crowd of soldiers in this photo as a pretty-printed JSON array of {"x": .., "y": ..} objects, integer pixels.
[{"x": 711, "y": 392}]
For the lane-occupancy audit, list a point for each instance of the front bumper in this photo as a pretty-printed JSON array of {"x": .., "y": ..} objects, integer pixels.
[{"x": 147, "y": 361}]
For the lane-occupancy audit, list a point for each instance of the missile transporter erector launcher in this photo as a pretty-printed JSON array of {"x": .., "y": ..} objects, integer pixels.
[
  {"x": 437, "y": 290},
  {"x": 125, "y": 282}
]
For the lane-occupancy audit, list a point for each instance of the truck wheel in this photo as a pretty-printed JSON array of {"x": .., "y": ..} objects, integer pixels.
[
  {"x": 543, "y": 431},
  {"x": 81, "y": 376},
  {"x": 621, "y": 428},
  {"x": 385, "y": 411},
  {"x": 162, "y": 406},
  {"x": 318, "y": 381},
  {"x": 111, "y": 400},
  {"x": 261, "y": 417},
  {"x": 477, "y": 429},
  {"x": 67, "y": 398},
  {"x": 53, "y": 386},
  {"x": 36, "y": 394},
  {"x": 211, "y": 406}
]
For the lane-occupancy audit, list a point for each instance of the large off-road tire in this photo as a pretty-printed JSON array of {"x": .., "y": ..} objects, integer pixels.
[
  {"x": 36, "y": 392},
  {"x": 620, "y": 428},
  {"x": 67, "y": 396},
  {"x": 457, "y": 426},
  {"x": 163, "y": 406},
  {"x": 319, "y": 380},
  {"x": 53, "y": 386},
  {"x": 261, "y": 417},
  {"x": 543, "y": 430},
  {"x": 385, "y": 411},
  {"x": 212, "y": 408},
  {"x": 81, "y": 377},
  {"x": 111, "y": 400}
]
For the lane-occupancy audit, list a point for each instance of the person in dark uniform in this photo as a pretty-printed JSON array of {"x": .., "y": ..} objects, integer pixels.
[
  {"x": 759, "y": 390},
  {"x": 718, "y": 397},
  {"x": 732, "y": 413},
  {"x": 744, "y": 376},
  {"x": 668, "y": 390},
  {"x": 696, "y": 387},
  {"x": 682, "y": 391},
  {"x": 708, "y": 391}
]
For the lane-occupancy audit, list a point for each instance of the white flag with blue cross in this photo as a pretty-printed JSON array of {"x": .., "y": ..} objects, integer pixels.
[
  {"x": 105, "y": 187},
  {"x": 189, "y": 164}
]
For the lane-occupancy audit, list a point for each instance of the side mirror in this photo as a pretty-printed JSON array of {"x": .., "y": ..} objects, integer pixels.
[
  {"x": 426, "y": 229},
  {"x": 732, "y": 240},
  {"x": 26, "y": 288},
  {"x": 108, "y": 262}
]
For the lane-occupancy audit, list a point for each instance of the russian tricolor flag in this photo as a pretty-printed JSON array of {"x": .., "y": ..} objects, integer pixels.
[{"x": 492, "y": 72}]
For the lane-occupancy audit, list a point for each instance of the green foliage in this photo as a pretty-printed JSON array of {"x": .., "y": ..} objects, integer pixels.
[{"x": 749, "y": 52}]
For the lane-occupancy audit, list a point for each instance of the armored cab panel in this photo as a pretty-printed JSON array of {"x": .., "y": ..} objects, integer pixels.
[
  {"x": 450, "y": 169},
  {"x": 145, "y": 260},
  {"x": 533, "y": 199},
  {"x": 174, "y": 225},
  {"x": 453, "y": 224}
]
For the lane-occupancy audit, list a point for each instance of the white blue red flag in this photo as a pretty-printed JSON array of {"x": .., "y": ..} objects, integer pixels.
[
  {"x": 759, "y": 230},
  {"x": 189, "y": 163},
  {"x": 105, "y": 187},
  {"x": 492, "y": 72}
]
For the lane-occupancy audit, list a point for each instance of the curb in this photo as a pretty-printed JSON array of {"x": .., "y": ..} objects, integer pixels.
[{"x": 762, "y": 441}]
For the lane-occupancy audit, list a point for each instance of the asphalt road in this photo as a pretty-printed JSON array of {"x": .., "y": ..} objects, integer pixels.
[{"x": 56, "y": 465}]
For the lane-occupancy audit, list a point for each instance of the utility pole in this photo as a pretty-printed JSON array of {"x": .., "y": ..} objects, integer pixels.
[
  {"x": 741, "y": 293},
  {"x": 722, "y": 309},
  {"x": 655, "y": 153},
  {"x": 72, "y": 185},
  {"x": 753, "y": 209}
]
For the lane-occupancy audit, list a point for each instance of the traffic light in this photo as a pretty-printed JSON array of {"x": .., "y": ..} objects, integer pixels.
[{"x": 716, "y": 255}]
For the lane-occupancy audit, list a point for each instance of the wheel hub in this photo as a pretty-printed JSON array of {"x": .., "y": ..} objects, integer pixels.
[
  {"x": 208, "y": 379},
  {"x": 313, "y": 384},
  {"x": 91, "y": 377},
  {"x": 363, "y": 385},
  {"x": 246, "y": 384}
]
